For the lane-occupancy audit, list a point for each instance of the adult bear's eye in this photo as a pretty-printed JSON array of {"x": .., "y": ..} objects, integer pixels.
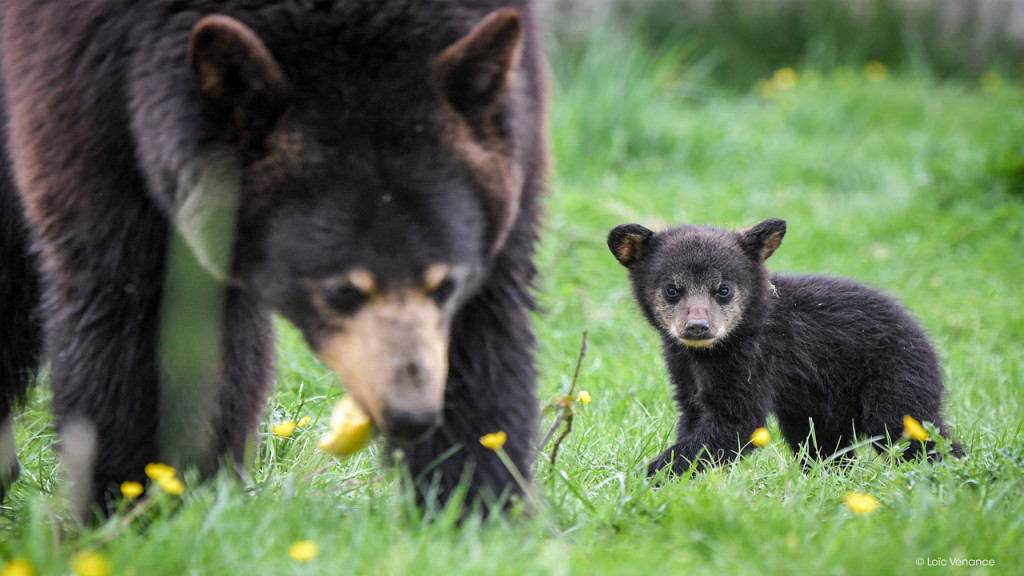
[
  {"x": 344, "y": 297},
  {"x": 672, "y": 293},
  {"x": 444, "y": 291}
]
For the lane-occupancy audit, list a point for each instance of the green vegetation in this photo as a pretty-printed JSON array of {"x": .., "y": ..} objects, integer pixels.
[
  {"x": 945, "y": 38},
  {"x": 905, "y": 181}
]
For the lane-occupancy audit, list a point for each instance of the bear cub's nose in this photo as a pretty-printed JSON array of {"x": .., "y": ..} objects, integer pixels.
[{"x": 697, "y": 330}]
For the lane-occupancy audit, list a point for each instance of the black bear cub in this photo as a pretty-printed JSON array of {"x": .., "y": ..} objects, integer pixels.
[{"x": 830, "y": 357}]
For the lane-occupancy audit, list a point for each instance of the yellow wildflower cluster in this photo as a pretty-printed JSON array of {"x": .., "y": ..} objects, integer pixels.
[
  {"x": 131, "y": 490},
  {"x": 912, "y": 429},
  {"x": 17, "y": 567},
  {"x": 351, "y": 429},
  {"x": 760, "y": 437},
  {"x": 287, "y": 428},
  {"x": 783, "y": 79},
  {"x": 166, "y": 476},
  {"x": 584, "y": 397},
  {"x": 991, "y": 81},
  {"x": 875, "y": 71},
  {"x": 303, "y": 551},
  {"x": 494, "y": 440},
  {"x": 90, "y": 563},
  {"x": 283, "y": 429},
  {"x": 860, "y": 503}
]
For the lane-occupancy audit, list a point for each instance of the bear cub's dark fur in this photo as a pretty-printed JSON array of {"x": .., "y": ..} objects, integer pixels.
[{"x": 741, "y": 343}]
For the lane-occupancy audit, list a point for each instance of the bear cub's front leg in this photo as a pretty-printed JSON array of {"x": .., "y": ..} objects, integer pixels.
[{"x": 715, "y": 419}]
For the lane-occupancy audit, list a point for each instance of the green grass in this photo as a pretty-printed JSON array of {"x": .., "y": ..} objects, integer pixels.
[
  {"x": 909, "y": 184},
  {"x": 753, "y": 38}
]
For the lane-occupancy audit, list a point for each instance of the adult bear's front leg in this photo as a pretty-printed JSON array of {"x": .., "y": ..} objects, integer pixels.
[{"x": 101, "y": 310}]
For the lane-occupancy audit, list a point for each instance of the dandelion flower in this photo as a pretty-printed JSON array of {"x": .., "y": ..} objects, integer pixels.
[
  {"x": 859, "y": 503},
  {"x": 760, "y": 437},
  {"x": 171, "y": 485},
  {"x": 784, "y": 78},
  {"x": 283, "y": 429},
  {"x": 304, "y": 421},
  {"x": 584, "y": 397},
  {"x": 156, "y": 471},
  {"x": 17, "y": 567},
  {"x": 991, "y": 81},
  {"x": 766, "y": 89},
  {"x": 875, "y": 71},
  {"x": 90, "y": 563},
  {"x": 303, "y": 551},
  {"x": 131, "y": 490},
  {"x": 494, "y": 441},
  {"x": 912, "y": 429},
  {"x": 351, "y": 429}
]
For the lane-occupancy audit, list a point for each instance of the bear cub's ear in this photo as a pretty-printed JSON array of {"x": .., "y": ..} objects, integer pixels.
[
  {"x": 629, "y": 242},
  {"x": 761, "y": 241}
]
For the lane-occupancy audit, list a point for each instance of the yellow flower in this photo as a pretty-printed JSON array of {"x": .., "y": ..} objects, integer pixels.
[
  {"x": 304, "y": 421},
  {"x": 494, "y": 441},
  {"x": 284, "y": 429},
  {"x": 156, "y": 471},
  {"x": 171, "y": 485},
  {"x": 131, "y": 490},
  {"x": 17, "y": 567},
  {"x": 991, "y": 81},
  {"x": 303, "y": 551},
  {"x": 90, "y": 563},
  {"x": 351, "y": 429},
  {"x": 861, "y": 503},
  {"x": 760, "y": 437},
  {"x": 875, "y": 71},
  {"x": 784, "y": 78},
  {"x": 584, "y": 397},
  {"x": 912, "y": 429}
]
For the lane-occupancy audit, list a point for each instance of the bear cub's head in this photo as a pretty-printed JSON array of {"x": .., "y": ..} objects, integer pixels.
[{"x": 697, "y": 285}]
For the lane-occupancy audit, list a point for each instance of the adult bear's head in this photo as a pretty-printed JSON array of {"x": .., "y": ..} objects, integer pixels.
[{"x": 378, "y": 179}]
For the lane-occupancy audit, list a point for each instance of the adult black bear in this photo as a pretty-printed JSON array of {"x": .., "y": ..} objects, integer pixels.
[
  {"x": 371, "y": 170},
  {"x": 741, "y": 343}
]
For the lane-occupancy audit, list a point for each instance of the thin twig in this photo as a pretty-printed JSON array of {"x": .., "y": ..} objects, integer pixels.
[
  {"x": 551, "y": 430},
  {"x": 566, "y": 407},
  {"x": 579, "y": 362},
  {"x": 558, "y": 441}
]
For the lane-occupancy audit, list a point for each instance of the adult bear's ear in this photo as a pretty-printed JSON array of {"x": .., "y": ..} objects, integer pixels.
[
  {"x": 629, "y": 243},
  {"x": 473, "y": 73},
  {"x": 761, "y": 241},
  {"x": 238, "y": 79}
]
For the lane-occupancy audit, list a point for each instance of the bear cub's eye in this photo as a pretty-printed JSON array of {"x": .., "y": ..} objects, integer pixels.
[
  {"x": 671, "y": 293},
  {"x": 724, "y": 293},
  {"x": 344, "y": 297}
]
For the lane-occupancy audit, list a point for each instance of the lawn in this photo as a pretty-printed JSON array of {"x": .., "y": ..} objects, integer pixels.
[{"x": 901, "y": 180}]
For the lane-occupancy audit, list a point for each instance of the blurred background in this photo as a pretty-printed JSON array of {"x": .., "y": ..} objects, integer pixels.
[{"x": 747, "y": 39}]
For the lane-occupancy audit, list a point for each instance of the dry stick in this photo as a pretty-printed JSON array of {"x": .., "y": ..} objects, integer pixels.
[
  {"x": 558, "y": 441},
  {"x": 565, "y": 410}
]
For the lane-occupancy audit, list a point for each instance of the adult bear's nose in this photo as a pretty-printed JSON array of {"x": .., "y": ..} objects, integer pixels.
[{"x": 411, "y": 425}]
